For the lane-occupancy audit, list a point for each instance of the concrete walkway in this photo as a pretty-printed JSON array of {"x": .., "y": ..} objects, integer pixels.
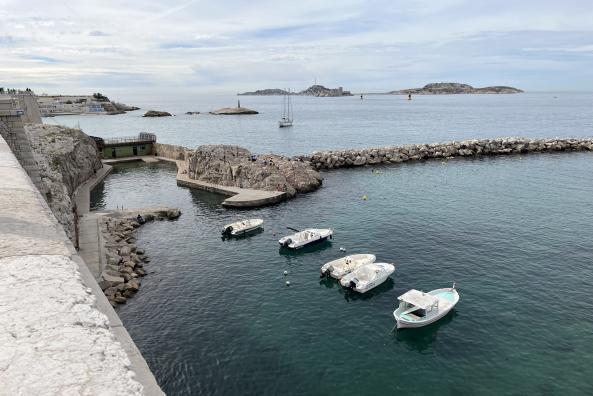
[
  {"x": 238, "y": 197},
  {"x": 143, "y": 158}
]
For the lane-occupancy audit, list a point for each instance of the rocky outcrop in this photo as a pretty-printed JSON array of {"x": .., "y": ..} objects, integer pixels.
[
  {"x": 155, "y": 113},
  {"x": 455, "y": 88},
  {"x": 171, "y": 151},
  {"x": 113, "y": 108},
  {"x": 235, "y": 166},
  {"x": 467, "y": 148},
  {"x": 66, "y": 158},
  {"x": 192, "y": 112},
  {"x": 125, "y": 261},
  {"x": 233, "y": 111},
  {"x": 265, "y": 92}
]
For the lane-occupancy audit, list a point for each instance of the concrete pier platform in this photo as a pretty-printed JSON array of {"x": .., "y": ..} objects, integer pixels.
[{"x": 238, "y": 197}]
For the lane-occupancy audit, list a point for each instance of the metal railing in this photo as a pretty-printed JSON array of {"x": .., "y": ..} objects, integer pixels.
[{"x": 142, "y": 137}]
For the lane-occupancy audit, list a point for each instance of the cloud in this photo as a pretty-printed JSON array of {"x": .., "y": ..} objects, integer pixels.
[{"x": 366, "y": 45}]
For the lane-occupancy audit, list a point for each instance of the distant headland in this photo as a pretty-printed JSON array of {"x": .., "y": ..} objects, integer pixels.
[
  {"x": 313, "y": 90},
  {"x": 444, "y": 88}
]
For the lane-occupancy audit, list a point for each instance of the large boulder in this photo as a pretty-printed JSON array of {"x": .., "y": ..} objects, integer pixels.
[
  {"x": 155, "y": 113},
  {"x": 235, "y": 166}
]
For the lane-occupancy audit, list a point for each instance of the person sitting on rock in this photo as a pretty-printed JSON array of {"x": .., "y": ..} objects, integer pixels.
[{"x": 140, "y": 219}]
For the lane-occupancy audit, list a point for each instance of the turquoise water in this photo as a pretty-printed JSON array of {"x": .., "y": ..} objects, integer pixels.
[
  {"x": 214, "y": 317},
  {"x": 348, "y": 122}
]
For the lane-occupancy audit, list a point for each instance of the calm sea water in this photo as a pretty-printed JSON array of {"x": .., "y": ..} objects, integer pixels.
[
  {"x": 348, "y": 122},
  {"x": 214, "y": 317}
]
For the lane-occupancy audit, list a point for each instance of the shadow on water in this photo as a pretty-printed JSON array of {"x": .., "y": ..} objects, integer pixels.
[
  {"x": 351, "y": 295},
  {"x": 205, "y": 199},
  {"x": 315, "y": 247},
  {"x": 422, "y": 338}
]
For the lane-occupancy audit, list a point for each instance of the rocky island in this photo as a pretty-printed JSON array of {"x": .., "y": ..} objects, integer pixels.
[
  {"x": 313, "y": 90},
  {"x": 154, "y": 113},
  {"x": 233, "y": 111},
  {"x": 444, "y": 88}
]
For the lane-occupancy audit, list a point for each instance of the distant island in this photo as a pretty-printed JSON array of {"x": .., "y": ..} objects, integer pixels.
[
  {"x": 443, "y": 88},
  {"x": 313, "y": 90}
]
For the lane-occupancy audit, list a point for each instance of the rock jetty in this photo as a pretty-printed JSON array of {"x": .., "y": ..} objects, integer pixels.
[
  {"x": 333, "y": 159},
  {"x": 235, "y": 166},
  {"x": 125, "y": 261},
  {"x": 233, "y": 111},
  {"x": 444, "y": 88},
  {"x": 154, "y": 113}
]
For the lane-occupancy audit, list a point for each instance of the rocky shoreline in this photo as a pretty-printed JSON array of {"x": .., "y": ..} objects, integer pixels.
[
  {"x": 125, "y": 261},
  {"x": 444, "y": 88},
  {"x": 332, "y": 159}
]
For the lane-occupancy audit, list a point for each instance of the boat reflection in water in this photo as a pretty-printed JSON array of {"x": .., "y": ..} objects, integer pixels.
[{"x": 421, "y": 339}]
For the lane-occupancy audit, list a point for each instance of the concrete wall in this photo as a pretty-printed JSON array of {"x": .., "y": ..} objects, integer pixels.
[
  {"x": 126, "y": 151},
  {"x": 58, "y": 333},
  {"x": 28, "y": 102}
]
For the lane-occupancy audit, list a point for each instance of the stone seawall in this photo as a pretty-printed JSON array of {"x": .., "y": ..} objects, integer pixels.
[
  {"x": 332, "y": 159},
  {"x": 58, "y": 332}
]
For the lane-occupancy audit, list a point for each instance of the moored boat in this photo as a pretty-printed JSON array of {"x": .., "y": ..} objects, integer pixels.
[
  {"x": 305, "y": 237},
  {"x": 342, "y": 266},
  {"x": 367, "y": 276},
  {"x": 242, "y": 227},
  {"x": 417, "y": 309}
]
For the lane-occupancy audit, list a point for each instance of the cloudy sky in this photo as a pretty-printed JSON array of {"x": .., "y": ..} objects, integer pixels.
[{"x": 197, "y": 46}]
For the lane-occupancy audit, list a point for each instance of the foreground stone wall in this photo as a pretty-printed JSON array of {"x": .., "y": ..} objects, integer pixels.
[
  {"x": 333, "y": 159},
  {"x": 58, "y": 333}
]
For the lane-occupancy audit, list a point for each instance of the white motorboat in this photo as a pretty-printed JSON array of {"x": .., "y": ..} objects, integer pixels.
[
  {"x": 368, "y": 276},
  {"x": 342, "y": 266},
  {"x": 306, "y": 237},
  {"x": 417, "y": 309},
  {"x": 242, "y": 227}
]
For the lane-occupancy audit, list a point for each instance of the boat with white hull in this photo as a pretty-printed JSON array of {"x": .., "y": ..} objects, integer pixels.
[
  {"x": 417, "y": 309},
  {"x": 342, "y": 266},
  {"x": 306, "y": 237},
  {"x": 242, "y": 227},
  {"x": 367, "y": 276}
]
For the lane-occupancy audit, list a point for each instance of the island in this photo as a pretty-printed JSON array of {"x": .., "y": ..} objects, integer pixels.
[
  {"x": 155, "y": 113},
  {"x": 313, "y": 90},
  {"x": 444, "y": 88},
  {"x": 233, "y": 111}
]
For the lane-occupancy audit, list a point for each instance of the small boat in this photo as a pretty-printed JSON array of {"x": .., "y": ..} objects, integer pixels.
[
  {"x": 286, "y": 120},
  {"x": 417, "y": 309},
  {"x": 306, "y": 237},
  {"x": 342, "y": 266},
  {"x": 367, "y": 277},
  {"x": 242, "y": 227}
]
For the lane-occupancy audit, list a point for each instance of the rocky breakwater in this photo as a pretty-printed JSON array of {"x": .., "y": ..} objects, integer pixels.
[
  {"x": 66, "y": 158},
  {"x": 125, "y": 261},
  {"x": 468, "y": 148},
  {"x": 235, "y": 166}
]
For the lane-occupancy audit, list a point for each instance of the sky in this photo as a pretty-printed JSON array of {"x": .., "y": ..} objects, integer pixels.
[{"x": 229, "y": 46}]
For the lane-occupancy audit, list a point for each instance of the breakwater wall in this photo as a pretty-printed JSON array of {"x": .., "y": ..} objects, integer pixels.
[
  {"x": 332, "y": 159},
  {"x": 171, "y": 151},
  {"x": 59, "y": 333}
]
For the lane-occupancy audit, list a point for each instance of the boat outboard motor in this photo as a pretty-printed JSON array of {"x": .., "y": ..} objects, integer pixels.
[
  {"x": 227, "y": 230},
  {"x": 352, "y": 285},
  {"x": 287, "y": 242}
]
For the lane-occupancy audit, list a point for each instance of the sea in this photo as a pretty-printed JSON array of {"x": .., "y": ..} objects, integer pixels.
[{"x": 215, "y": 317}]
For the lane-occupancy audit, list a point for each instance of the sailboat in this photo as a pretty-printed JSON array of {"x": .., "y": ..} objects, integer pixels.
[{"x": 286, "y": 120}]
